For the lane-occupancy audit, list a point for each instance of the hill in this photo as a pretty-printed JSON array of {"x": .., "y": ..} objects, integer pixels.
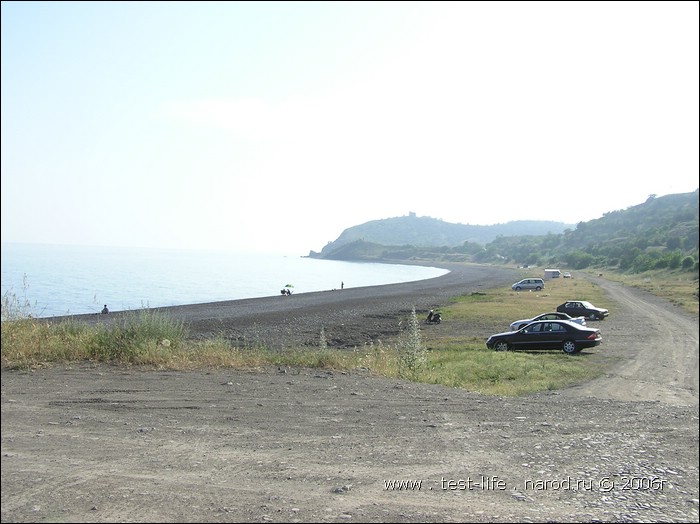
[
  {"x": 425, "y": 232},
  {"x": 660, "y": 233}
]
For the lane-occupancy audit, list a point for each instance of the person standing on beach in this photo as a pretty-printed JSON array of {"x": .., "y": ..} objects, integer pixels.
[
  {"x": 342, "y": 285},
  {"x": 105, "y": 310}
]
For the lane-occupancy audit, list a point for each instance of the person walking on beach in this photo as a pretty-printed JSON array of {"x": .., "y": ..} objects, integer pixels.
[
  {"x": 342, "y": 285},
  {"x": 105, "y": 310}
]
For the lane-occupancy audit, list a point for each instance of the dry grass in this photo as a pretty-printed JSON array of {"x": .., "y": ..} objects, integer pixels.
[
  {"x": 677, "y": 286},
  {"x": 460, "y": 360}
]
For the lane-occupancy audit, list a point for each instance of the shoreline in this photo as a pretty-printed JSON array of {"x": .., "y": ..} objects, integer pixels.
[
  {"x": 197, "y": 291},
  {"x": 350, "y": 317}
]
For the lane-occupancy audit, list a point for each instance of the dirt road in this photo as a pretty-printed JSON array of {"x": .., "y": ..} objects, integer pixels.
[
  {"x": 103, "y": 444},
  {"x": 657, "y": 362}
]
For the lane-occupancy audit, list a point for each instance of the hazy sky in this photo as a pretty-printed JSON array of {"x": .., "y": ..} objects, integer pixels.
[{"x": 272, "y": 127}]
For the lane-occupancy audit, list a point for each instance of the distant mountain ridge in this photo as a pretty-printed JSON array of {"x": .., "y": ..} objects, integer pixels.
[{"x": 432, "y": 232}]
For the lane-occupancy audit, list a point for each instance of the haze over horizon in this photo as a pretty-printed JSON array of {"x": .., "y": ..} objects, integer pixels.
[{"x": 275, "y": 126}]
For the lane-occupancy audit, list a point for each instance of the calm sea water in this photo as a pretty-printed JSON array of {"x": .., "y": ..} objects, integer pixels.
[{"x": 63, "y": 280}]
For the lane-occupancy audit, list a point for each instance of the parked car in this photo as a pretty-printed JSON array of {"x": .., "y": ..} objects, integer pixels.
[
  {"x": 547, "y": 334},
  {"x": 528, "y": 283},
  {"x": 556, "y": 315},
  {"x": 566, "y": 274},
  {"x": 577, "y": 308}
]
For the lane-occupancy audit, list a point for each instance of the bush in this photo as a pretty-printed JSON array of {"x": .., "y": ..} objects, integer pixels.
[
  {"x": 688, "y": 263},
  {"x": 136, "y": 334}
]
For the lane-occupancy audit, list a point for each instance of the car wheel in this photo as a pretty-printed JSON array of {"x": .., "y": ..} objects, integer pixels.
[
  {"x": 501, "y": 345},
  {"x": 518, "y": 288},
  {"x": 569, "y": 347},
  {"x": 538, "y": 288},
  {"x": 592, "y": 316}
]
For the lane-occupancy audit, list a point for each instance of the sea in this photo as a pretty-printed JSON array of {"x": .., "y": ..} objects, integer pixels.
[{"x": 54, "y": 280}]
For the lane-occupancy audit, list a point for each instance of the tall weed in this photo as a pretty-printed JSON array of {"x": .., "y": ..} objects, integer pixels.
[
  {"x": 14, "y": 307},
  {"x": 411, "y": 351}
]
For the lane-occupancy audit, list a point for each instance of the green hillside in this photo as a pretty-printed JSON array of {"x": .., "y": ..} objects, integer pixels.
[
  {"x": 657, "y": 234},
  {"x": 431, "y": 232}
]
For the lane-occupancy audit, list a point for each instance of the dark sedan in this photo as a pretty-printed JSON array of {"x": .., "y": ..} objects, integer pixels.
[
  {"x": 581, "y": 308},
  {"x": 547, "y": 334}
]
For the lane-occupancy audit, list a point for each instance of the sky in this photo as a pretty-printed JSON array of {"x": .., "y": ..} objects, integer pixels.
[{"x": 272, "y": 127}]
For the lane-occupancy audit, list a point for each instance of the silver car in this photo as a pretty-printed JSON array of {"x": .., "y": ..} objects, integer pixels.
[
  {"x": 528, "y": 283},
  {"x": 555, "y": 315}
]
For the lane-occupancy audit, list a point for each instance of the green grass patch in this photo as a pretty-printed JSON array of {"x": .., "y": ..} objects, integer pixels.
[
  {"x": 503, "y": 306},
  {"x": 476, "y": 368},
  {"x": 678, "y": 286}
]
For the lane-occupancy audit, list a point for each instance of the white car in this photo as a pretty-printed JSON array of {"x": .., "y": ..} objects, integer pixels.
[
  {"x": 567, "y": 274},
  {"x": 555, "y": 315}
]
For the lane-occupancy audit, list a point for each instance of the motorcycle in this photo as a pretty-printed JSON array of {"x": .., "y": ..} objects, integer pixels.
[{"x": 433, "y": 318}]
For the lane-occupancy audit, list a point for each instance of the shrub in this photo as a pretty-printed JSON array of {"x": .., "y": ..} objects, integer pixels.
[
  {"x": 688, "y": 263},
  {"x": 136, "y": 334}
]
